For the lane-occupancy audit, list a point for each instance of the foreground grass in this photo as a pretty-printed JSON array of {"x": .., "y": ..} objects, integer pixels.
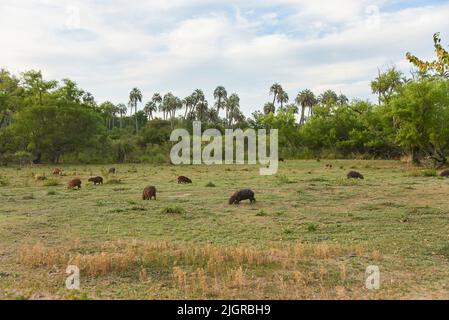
[{"x": 311, "y": 233}]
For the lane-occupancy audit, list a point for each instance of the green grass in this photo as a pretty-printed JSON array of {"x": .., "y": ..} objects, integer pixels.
[{"x": 311, "y": 234}]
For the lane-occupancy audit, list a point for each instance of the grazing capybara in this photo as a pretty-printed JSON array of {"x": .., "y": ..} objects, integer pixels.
[
  {"x": 57, "y": 172},
  {"x": 96, "y": 180},
  {"x": 112, "y": 170},
  {"x": 444, "y": 173},
  {"x": 355, "y": 175},
  {"x": 75, "y": 183},
  {"x": 182, "y": 179},
  {"x": 148, "y": 193},
  {"x": 245, "y": 194}
]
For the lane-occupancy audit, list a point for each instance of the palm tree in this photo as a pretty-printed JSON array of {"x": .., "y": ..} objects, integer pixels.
[
  {"x": 282, "y": 98},
  {"x": 202, "y": 109},
  {"x": 220, "y": 95},
  {"x": 122, "y": 109},
  {"x": 342, "y": 99},
  {"x": 188, "y": 103},
  {"x": 269, "y": 108},
  {"x": 157, "y": 100},
  {"x": 232, "y": 104},
  {"x": 275, "y": 90},
  {"x": 149, "y": 109},
  {"x": 197, "y": 97},
  {"x": 306, "y": 99},
  {"x": 328, "y": 98},
  {"x": 135, "y": 96}
]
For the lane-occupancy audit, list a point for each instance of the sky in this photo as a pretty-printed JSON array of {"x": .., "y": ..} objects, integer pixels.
[{"x": 109, "y": 47}]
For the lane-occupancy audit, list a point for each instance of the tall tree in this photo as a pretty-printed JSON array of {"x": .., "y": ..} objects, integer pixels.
[
  {"x": 220, "y": 94},
  {"x": 149, "y": 109},
  {"x": 282, "y": 98},
  {"x": 305, "y": 99},
  {"x": 269, "y": 108},
  {"x": 135, "y": 96},
  {"x": 275, "y": 90},
  {"x": 386, "y": 84},
  {"x": 122, "y": 109},
  {"x": 36, "y": 86},
  {"x": 233, "y": 107},
  {"x": 438, "y": 68}
]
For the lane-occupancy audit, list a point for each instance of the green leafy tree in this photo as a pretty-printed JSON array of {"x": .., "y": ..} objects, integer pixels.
[{"x": 421, "y": 110}]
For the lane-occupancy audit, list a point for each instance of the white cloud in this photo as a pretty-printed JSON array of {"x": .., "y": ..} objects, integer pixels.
[{"x": 245, "y": 45}]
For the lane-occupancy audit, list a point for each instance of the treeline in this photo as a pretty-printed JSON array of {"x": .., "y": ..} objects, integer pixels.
[{"x": 51, "y": 121}]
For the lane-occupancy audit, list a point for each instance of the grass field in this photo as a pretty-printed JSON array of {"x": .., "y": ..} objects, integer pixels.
[{"x": 311, "y": 234}]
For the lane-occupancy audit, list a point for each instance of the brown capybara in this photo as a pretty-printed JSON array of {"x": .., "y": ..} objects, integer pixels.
[
  {"x": 244, "y": 194},
  {"x": 75, "y": 183},
  {"x": 112, "y": 170},
  {"x": 96, "y": 180},
  {"x": 57, "y": 172},
  {"x": 355, "y": 175},
  {"x": 444, "y": 174},
  {"x": 148, "y": 193},
  {"x": 182, "y": 179}
]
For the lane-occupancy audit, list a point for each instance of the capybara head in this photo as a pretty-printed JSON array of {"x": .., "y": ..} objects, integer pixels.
[
  {"x": 233, "y": 198},
  {"x": 355, "y": 175}
]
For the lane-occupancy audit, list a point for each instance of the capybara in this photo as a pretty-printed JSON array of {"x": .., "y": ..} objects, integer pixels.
[
  {"x": 96, "y": 180},
  {"x": 281, "y": 159},
  {"x": 112, "y": 170},
  {"x": 444, "y": 173},
  {"x": 57, "y": 172},
  {"x": 354, "y": 175},
  {"x": 75, "y": 183},
  {"x": 182, "y": 179},
  {"x": 245, "y": 194},
  {"x": 148, "y": 193}
]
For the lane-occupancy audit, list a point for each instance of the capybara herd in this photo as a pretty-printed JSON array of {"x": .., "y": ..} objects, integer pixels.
[{"x": 149, "y": 193}]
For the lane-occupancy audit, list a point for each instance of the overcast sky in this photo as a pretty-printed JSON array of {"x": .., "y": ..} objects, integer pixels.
[{"x": 111, "y": 46}]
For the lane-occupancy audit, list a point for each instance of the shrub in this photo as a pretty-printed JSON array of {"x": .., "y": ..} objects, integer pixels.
[
  {"x": 114, "y": 181},
  {"x": 3, "y": 181},
  {"x": 51, "y": 183},
  {"x": 173, "y": 210}
]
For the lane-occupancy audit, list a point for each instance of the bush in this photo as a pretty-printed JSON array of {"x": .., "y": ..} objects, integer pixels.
[
  {"x": 3, "y": 181},
  {"x": 173, "y": 210},
  {"x": 51, "y": 183}
]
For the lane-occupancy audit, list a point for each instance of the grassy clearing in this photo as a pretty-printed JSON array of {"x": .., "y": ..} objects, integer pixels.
[{"x": 311, "y": 233}]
